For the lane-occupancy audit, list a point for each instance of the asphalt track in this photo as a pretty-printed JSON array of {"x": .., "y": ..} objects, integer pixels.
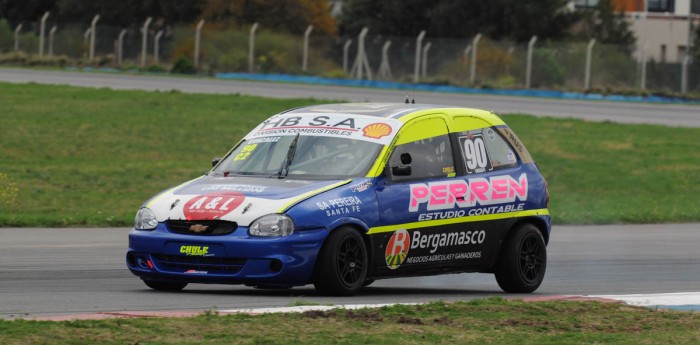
[
  {"x": 624, "y": 112},
  {"x": 45, "y": 272}
]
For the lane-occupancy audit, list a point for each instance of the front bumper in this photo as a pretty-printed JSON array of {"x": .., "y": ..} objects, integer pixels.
[{"x": 228, "y": 259}]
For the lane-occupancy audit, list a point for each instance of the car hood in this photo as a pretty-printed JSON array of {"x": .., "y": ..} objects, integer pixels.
[{"x": 238, "y": 199}]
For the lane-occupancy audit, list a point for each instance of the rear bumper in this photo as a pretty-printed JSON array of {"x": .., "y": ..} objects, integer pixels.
[{"x": 229, "y": 259}]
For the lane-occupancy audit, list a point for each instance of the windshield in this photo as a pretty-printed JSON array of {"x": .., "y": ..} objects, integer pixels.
[{"x": 313, "y": 157}]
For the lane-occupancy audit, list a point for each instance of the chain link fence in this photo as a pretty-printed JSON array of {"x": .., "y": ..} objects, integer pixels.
[{"x": 473, "y": 63}]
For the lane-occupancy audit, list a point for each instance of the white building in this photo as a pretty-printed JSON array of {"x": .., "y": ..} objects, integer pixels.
[{"x": 663, "y": 28}]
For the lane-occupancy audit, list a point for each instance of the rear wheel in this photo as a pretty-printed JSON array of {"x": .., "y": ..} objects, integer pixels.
[
  {"x": 523, "y": 260},
  {"x": 341, "y": 266},
  {"x": 164, "y": 286}
]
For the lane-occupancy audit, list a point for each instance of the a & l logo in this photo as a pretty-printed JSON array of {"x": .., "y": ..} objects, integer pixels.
[{"x": 212, "y": 206}]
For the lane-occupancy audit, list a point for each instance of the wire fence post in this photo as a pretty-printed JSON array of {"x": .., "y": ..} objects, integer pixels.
[
  {"x": 384, "y": 66},
  {"x": 361, "y": 64},
  {"x": 51, "y": 34},
  {"x": 346, "y": 49},
  {"x": 197, "y": 38},
  {"x": 416, "y": 68},
  {"x": 424, "y": 60},
  {"x": 528, "y": 68},
  {"x": 17, "y": 30},
  {"x": 120, "y": 47},
  {"x": 41, "y": 34},
  {"x": 251, "y": 48},
  {"x": 472, "y": 69},
  {"x": 156, "y": 44},
  {"x": 144, "y": 40},
  {"x": 589, "y": 51},
  {"x": 93, "y": 24},
  {"x": 305, "y": 58}
]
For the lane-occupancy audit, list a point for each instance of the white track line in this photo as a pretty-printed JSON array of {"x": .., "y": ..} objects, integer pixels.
[
  {"x": 305, "y": 308},
  {"x": 658, "y": 299}
]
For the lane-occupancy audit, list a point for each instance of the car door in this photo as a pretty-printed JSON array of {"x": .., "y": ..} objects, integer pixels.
[{"x": 411, "y": 237}]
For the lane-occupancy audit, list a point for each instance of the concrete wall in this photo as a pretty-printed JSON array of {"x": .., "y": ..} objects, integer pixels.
[{"x": 665, "y": 36}]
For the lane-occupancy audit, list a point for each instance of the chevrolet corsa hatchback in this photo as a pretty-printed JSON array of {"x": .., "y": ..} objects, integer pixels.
[{"x": 340, "y": 195}]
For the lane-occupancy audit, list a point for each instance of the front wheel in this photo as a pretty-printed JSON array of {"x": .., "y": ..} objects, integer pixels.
[
  {"x": 523, "y": 260},
  {"x": 341, "y": 266},
  {"x": 164, "y": 286}
]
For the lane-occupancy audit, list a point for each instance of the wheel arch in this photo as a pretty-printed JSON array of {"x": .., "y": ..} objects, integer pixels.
[{"x": 539, "y": 223}]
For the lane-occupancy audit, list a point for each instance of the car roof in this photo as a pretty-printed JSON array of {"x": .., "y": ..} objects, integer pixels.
[{"x": 399, "y": 111}]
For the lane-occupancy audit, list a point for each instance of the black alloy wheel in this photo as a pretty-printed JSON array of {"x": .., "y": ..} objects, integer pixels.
[
  {"x": 342, "y": 263},
  {"x": 351, "y": 260},
  {"x": 531, "y": 258},
  {"x": 523, "y": 260}
]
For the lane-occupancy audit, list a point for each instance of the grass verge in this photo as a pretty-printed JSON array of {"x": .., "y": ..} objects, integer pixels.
[
  {"x": 489, "y": 321},
  {"x": 89, "y": 157}
]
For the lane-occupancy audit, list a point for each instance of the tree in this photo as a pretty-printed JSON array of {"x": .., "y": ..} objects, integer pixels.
[
  {"x": 292, "y": 16},
  {"x": 118, "y": 13},
  {"x": 128, "y": 12},
  {"x": 607, "y": 26},
  {"x": 18, "y": 11},
  {"x": 513, "y": 19}
]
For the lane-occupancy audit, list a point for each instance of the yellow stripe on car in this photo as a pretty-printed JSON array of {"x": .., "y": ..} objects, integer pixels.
[{"x": 310, "y": 194}]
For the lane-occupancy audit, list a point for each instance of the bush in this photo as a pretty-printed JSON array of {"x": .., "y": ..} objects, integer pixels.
[
  {"x": 546, "y": 71},
  {"x": 183, "y": 65}
]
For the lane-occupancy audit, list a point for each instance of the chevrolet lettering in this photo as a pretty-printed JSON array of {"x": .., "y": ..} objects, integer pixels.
[{"x": 341, "y": 195}]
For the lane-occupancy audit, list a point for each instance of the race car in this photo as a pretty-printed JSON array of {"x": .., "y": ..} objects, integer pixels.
[{"x": 340, "y": 195}]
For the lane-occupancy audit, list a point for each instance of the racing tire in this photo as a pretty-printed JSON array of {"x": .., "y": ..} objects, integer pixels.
[
  {"x": 523, "y": 260},
  {"x": 342, "y": 263},
  {"x": 164, "y": 286}
]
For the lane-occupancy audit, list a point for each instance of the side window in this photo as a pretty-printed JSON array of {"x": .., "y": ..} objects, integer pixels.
[
  {"x": 425, "y": 148},
  {"x": 485, "y": 150}
]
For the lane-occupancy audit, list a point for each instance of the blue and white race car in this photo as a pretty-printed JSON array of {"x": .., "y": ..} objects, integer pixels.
[{"x": 340, "y": 195}]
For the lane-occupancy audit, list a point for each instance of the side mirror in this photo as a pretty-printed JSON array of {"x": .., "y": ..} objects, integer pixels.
[
  {"x": 401, "y": 170},
  {"x": 215, "y": 161}
]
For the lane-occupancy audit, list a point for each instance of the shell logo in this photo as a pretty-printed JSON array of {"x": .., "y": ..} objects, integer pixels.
[
  {"x": 397, "y": 248},
  {"x": 376, "y": 130}
]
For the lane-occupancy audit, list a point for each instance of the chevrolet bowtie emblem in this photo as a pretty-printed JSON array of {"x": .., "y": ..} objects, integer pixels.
[{"x": 198, "y": 228}]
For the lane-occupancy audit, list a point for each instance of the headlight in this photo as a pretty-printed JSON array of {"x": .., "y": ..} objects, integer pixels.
[
  {"x": 145, "y": 219},
  {"x": 272, "y": 225}
]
